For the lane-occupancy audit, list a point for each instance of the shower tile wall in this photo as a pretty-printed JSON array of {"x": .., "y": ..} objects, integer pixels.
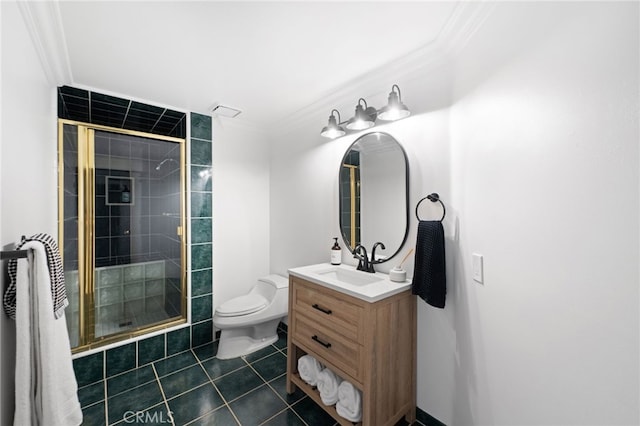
[
  {"x": 97, "y": 108},
  {"x": 101, "y": 365},
  {"x": 201, "y": 230},
  {"x": 145, "y": 229}
]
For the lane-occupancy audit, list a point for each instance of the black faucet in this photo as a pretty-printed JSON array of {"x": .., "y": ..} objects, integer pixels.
[
  {"x": 360, "y": 253},
  {"x": 364, "y": 264},
  {"x": 373, "y": 254}
]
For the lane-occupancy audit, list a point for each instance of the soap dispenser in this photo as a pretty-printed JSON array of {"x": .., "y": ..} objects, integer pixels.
[{"x": 336, "y": 253}]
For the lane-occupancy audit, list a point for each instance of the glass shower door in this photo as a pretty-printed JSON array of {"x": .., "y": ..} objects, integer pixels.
[{"x": 126, "y": 198}]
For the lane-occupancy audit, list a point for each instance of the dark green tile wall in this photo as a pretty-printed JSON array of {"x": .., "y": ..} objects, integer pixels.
[
  {"x": 89, "y": 369},
  {"x": 178, "y": 341},
  {"x": 151, "y": 349},
  {"x": 201, "y": 230},
  {"x": 121, "y": 359},
  {"x": 99, "y": 366}
]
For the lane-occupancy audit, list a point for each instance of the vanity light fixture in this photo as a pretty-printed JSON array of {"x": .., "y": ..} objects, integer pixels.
[
  {"x": 333, "y": 130},
  {"x": 395, "y": 109},
  {"x": 365, "y": 116}
]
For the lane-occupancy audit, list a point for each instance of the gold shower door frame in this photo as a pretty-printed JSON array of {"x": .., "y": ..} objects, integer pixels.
[
  {"x": 86, "y": 229},
  {"x": 352, "y": 202}
]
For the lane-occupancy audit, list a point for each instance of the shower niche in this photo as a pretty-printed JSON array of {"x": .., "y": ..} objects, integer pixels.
[
  {"x": 121, "y": 229},
  {"x": 119, "y": 190}
]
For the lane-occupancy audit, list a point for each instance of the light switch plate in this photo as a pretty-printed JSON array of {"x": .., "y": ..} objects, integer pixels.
[{"x": 477, "y": 268}]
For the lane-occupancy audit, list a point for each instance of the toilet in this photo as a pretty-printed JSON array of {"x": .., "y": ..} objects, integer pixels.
[{"x": 250, "y": 322}]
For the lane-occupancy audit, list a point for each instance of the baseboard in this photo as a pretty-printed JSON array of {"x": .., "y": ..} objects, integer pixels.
[{"x": 426, "y": 419}]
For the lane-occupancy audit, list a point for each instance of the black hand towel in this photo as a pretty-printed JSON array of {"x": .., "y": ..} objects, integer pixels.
[{"x": 429, "y": 278}]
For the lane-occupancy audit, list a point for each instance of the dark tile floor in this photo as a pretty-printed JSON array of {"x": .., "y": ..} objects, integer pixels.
[{"x": 199, "y": 389}]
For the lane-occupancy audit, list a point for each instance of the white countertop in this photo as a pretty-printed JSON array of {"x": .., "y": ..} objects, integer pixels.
[{"x": 366, "y": 286}]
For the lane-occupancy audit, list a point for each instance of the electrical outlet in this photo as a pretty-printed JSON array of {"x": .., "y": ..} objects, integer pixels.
[{"x": 477, "y": 268}]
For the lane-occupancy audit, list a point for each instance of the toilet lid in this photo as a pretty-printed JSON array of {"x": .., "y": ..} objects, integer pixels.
[{"x": 242, "y": 305}]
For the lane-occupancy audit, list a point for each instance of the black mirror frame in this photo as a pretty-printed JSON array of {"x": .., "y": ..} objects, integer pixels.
[{"x": 406, "y": 162}]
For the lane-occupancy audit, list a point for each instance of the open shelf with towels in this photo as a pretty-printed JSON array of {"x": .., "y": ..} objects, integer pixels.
[{"x": 313, "y": 393}]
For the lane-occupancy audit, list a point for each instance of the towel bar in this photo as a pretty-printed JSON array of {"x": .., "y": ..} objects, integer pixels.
[
  {"x": 434, "y": 197},
  {"x": 13, "y": 254}
]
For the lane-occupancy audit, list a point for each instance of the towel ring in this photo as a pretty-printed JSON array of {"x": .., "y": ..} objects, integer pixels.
[{"x": 433, "y": 198}]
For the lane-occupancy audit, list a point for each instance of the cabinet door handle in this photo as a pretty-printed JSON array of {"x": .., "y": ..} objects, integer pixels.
[
  {"x": 326, "y": 311},
  {"x": 326, "y": 345}
]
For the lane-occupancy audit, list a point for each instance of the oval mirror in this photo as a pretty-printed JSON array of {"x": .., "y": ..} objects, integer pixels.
[{"x": 374, "y": 195}]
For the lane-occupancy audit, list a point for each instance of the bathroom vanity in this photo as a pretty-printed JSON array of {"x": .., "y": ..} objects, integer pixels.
[{"x": 363, "y": 327}]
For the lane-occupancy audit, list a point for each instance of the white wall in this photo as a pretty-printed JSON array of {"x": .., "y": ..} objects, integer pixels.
[
  {"x": 240, "y": 208},
  {"x": 304, "y": 199},
  {"x": 535, "y": 154},
  {"x": 545, "y": 185},
  {"x": 28, "y": 175},
  {"x": 304, "y": 170}
]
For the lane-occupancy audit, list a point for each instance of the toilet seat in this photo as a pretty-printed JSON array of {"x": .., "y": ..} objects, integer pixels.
[{"x": 242, "y": 305}]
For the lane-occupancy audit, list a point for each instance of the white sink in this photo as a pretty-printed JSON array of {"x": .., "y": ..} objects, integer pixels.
[
  {"x": 370, "y": 287},
  {"x": 357, "y": 278}
]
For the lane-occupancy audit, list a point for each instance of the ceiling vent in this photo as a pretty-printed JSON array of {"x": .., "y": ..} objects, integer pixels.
[{"x": 224, "y": 111}]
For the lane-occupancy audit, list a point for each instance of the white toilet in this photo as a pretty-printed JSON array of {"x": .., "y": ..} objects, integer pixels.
[{"x": 249, "y": 323}]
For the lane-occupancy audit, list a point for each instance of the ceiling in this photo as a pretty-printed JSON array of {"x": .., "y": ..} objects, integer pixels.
[{"x": 268, "y": 59}]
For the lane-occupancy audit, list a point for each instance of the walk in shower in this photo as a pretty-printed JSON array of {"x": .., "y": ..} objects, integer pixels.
[{"x": 122, "y": 222}]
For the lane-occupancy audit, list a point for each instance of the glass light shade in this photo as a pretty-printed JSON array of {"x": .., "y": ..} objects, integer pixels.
[
  {"x": 332, "y": 130},
  {"x": 362, "y": 120},
  {"x": 395, "y": 109}
]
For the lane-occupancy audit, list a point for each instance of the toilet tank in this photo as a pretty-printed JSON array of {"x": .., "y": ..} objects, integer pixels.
[{"x": 268, "y": 286}]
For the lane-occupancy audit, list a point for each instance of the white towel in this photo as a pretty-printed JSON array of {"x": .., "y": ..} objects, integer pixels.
[
  {"x": 349, "y": 403},
  {"x": 46, "y": 388},
  {"x": 328, "y": 383},
  {"x": 309, "y": 367}
]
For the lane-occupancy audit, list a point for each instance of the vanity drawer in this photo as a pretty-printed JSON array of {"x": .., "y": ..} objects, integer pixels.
[
  {"x": 330, "y": 308},
  {"x": 343, "y": 353}
]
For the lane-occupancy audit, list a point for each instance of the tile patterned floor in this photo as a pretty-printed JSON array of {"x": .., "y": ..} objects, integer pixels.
[{"x": 200, "y": 389}]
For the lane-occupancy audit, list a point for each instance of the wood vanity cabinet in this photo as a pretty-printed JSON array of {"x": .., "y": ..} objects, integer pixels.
[{"x": 372, "y": 345}]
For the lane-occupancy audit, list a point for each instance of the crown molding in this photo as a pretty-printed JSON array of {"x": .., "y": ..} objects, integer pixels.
[
  {"x": 44, "y": 24},
  {"x": 465, "y": 20}
]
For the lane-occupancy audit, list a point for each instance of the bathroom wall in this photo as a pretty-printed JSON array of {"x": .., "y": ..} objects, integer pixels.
[
  {"x": 531, "y": 139},
  {"x": 27, "y": 181},
  {"x": 240, "y": 207},
  {"x": 544, "y": 180}
]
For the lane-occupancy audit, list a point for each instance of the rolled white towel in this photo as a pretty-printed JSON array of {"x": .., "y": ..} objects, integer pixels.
[
  {"x": 309, "y": 367},
  {"x": 328, "y": 383},
  {"x": 349, "y": 403}
]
